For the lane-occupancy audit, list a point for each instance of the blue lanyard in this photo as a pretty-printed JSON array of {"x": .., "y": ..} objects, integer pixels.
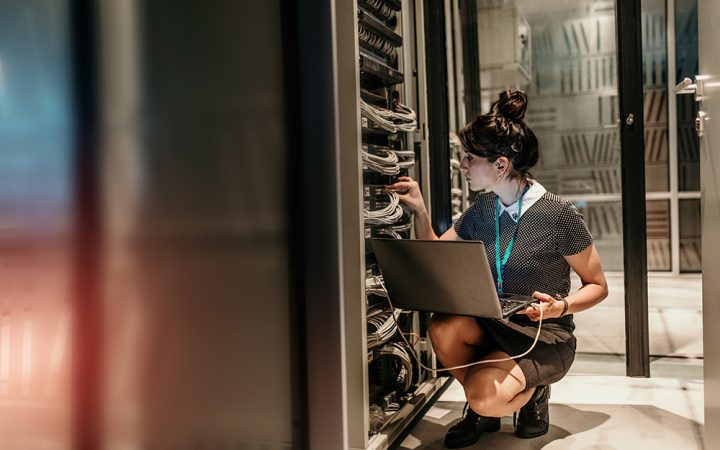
[{"x": 500, "y": 265}]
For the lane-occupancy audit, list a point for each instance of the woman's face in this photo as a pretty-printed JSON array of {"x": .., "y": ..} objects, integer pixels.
[{"x": 479, "y": 172}]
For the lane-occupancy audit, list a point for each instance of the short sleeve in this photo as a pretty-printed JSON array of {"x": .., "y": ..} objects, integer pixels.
[
  {"x": 572, "y": 233},
  {"x": 465, "y": 225}
]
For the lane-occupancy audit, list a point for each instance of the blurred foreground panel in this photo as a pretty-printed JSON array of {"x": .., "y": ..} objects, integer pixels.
[{"x": 35, "y": 225}]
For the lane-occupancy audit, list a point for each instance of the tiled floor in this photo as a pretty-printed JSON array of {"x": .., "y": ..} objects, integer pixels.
[
  {"x": 675, "y": 318},
  {"x": 596, "y": 406}
]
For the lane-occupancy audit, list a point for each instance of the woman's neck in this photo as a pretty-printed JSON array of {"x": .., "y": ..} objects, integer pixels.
[{"x": 509, "y": 191}]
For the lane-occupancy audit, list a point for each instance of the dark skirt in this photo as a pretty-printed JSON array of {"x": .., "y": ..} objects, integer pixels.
[{"x": 552, "y": 356}]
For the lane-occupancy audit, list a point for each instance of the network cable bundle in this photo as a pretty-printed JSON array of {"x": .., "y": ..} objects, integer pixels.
[
  {"x": 459, "y": 192},
  {"x": 385, "y": 121},
  {"x": 393, "y": 370}
]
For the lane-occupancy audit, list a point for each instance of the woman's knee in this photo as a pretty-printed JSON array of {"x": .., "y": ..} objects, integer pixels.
[
  {"x": 445, "y": 329},
  {"x": 484, "y": 399},
  {"x": 487, "y": 397}
]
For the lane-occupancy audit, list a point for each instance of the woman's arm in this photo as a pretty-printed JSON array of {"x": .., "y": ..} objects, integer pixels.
[
  {"x": 409, "y": 193},
  {"x": 586, "y": 265}
]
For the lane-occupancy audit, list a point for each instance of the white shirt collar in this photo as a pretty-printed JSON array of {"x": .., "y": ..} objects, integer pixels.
[{"x": 531, "y": 196}]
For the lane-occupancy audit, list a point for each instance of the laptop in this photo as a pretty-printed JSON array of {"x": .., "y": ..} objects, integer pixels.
[{"x": 451, "y": 277}]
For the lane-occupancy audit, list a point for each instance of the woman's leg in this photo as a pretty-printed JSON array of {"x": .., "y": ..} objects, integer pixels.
[
  {"x": 492, "y": 389},
  {"x": 456, "y": 340},
  {"x": 496, "y": 389}
]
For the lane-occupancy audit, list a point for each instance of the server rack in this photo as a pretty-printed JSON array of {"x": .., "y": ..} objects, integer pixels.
[{"x": 382, "y": 41}]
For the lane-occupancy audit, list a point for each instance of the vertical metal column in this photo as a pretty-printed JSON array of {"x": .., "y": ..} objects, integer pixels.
[
  {"x": 310, "y": 80},
  {"x": 630, "y": 88},
  {"x": 438, "y": 113},
  {"x": 352, "y": 241},
  {"x": 672, "y": 139},
  {"x": 471, "y": 58}
]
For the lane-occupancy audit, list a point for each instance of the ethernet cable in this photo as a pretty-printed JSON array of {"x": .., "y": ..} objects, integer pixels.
[
  {"x": 397, "y": 350},
  {"x": 395, "y": 230},
  {"x": 387, "y": 161},
  {"x": 402, "y": 119},
  {"x": 387, "y": 215},
  {"x": 380, "y": 8},
  {"x": 386, "y": 232},
  {"x": 385, "y": 326},
  {"x": 405, "y": 153},
  {"x": 372, "y": 287},
  {"x": 376, "y": 42},
  {"x": 387, "y": 165}
]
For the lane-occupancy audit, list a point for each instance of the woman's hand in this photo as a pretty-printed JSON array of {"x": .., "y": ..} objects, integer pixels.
[
  {"x": 409, "y": 193},
  {"x": 551, "y": 307}
]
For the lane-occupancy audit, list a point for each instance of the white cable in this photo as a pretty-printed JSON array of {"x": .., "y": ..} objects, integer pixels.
[
  {"x": 387, "y": 215},
  {"x": 387, "y": 161},
  {"x": 401, "y": 227},
  {"x": 376, "y": 42},
  {"x": 486, "y": 361},
  {"x": 402, "y": 119},
  {"x": 385, "y": 328},
  {"x": 385, "y": 232},
  {"x": 395, "y": 230},
  {"x": 372, "y": 287},
  {"x": 406, "y": 164},
  {"x": 405, "y": 153},
  {"x": 395, "y": 349},
  {"x": 383, "y": 10},
  {"x": 387, "y": 164}
]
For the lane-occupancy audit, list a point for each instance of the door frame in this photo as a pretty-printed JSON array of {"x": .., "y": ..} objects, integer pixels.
[{"x": 632, "y": 168}]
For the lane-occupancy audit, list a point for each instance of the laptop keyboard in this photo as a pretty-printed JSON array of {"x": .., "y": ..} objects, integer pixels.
[{"x": 508, "y": 304}]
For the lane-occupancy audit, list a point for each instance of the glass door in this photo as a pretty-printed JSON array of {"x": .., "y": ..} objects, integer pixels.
[
  {"x": 565, "y": 56},
  {"x": 574, "y": 111}
]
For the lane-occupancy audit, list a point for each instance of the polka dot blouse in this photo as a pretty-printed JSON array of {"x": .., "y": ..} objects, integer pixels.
[{"x": 548, "y": 230}]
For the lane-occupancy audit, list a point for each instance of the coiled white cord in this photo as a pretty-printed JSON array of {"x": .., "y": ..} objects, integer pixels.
[
  {"x": 385, "y": 328},
  {"x": 386, "y": 164},
  {"x": 387, "y": 215},
  {"x": 402, "y": 119},
  {"x": 387, "y": 161}
]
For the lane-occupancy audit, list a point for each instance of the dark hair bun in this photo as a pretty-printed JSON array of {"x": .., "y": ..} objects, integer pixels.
[{"x": 512, "y": 105}]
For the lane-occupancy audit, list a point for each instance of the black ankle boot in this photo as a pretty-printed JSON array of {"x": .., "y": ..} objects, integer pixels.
[
  {"x": 534, "y": 418},
  {"x": 470, "y": 428}
]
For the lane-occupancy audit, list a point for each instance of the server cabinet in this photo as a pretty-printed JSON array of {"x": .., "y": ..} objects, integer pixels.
[{"x": 382, "y": 134}]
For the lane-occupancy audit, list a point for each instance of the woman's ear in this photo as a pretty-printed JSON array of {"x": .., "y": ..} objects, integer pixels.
[{"x": 502, "y": 164}]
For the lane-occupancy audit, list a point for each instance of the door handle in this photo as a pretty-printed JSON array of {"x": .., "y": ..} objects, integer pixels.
[
  {"x": 700, "y": 123},
  {"x": 686, "y": 86}
]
